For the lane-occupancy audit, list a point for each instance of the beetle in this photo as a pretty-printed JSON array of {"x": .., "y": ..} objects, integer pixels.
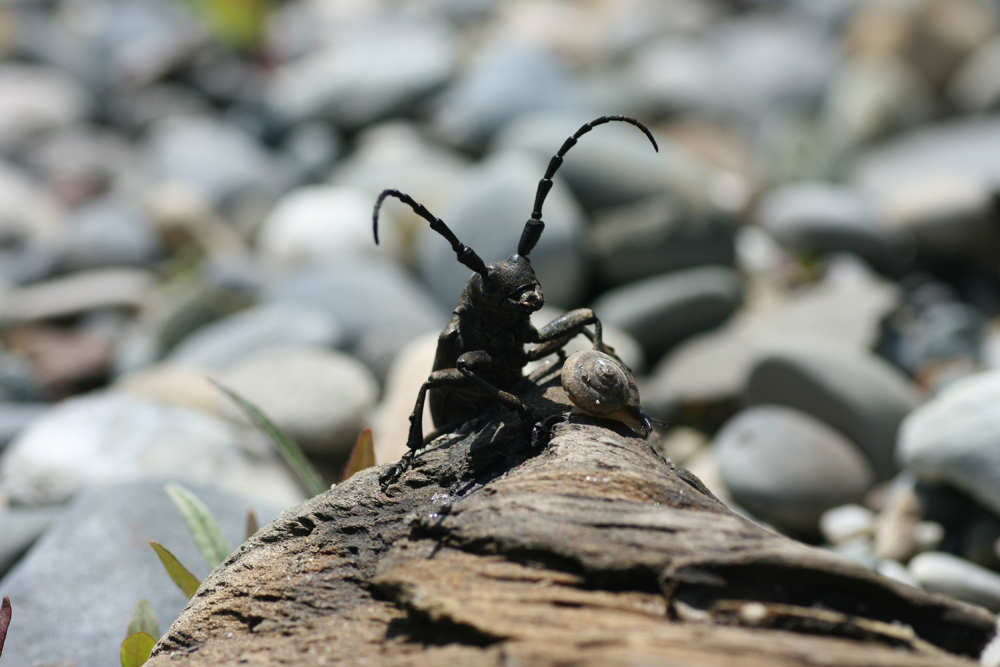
[{"x": 481, "y": 354}]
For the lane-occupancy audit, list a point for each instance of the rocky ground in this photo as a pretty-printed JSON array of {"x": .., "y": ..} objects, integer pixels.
[{"x": 804, "y": 278}]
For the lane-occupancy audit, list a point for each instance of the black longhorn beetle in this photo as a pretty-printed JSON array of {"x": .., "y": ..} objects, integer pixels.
[{"x": 480, "y": 355}]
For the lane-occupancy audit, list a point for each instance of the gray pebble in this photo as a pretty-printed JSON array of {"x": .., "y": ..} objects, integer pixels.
[
  {"x": 654, "y": 236},
  {"x": 20, "y": 527},
  {"x": 372, "y": 72},
  {"x": 95, "y": 563},
  {"x": 109, "y": 232},
  {"x": 953, "y": 438},
  {"x": 500, "y": 85},
  {"x": 946, "y": 573},
  {"x": 845, "y": 522},
  {"x": 850, "y": 389},
  {"x": 101, "y": 439},
  {"x": 664, "y": 310},
  {"x": 380, "y": 306},
  {"x": 267, "y": 327},
  {"x": 322, "y": 399},
  {"x": 15, "y": 416},
  {"x": 788, "y": 468},
  {"x": 612, "y": 165}
]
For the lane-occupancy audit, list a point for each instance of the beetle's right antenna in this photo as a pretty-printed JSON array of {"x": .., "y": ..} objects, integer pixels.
[
  {"x": 466, "y": 255},
  {"x": 533, "y": 228}
]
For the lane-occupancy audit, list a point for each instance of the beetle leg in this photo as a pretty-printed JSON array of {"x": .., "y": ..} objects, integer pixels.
[
  {"x": 447, "y": 377},
  {"x": 554, "y": 335},
  {"x": 470, "y": 362}
]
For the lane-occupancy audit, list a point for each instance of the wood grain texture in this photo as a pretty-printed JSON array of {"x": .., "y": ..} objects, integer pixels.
[{"x": 594, "y": 551}]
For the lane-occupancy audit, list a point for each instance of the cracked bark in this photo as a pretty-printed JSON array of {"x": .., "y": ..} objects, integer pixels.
[{"x": 593, "y": 551}]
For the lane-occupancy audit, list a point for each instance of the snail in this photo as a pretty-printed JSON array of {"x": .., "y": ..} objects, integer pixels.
[{"x": 600, "y": 385}]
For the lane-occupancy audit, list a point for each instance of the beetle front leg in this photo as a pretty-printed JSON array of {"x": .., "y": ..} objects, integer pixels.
[
  {"x": 553, "y": 336},
  {"x": 447, "y": 377}
]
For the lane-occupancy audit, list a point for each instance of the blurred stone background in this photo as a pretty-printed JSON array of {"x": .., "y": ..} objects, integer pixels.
[{"x": 804, "y": 278}]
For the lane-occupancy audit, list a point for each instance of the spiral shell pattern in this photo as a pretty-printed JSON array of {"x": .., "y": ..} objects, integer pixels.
[{"x": 597, "y": 383}]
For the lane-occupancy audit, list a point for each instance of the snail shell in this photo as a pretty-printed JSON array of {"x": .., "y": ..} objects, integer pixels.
[{"x": 600, "y": 385}]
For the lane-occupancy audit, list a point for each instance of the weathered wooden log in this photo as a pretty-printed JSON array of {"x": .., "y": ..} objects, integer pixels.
[{"x": 594, "y": 551}]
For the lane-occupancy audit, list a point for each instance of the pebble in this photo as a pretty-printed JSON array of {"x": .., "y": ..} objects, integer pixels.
[
  {"x": 614, "y": 165},
  {"x": 14, "y": 416},
  {"x": 219, "y": 159},
  {"x": 956, "y": 149},
  {"x": 816, "y": 217},
  {"x": 380, "y": 306},
  {"x": 952, "y": 438},
  {"x": 974, "y": 85},
  {"x": 172, "y": 384},
  {"x": 845, "y": 522},
  {"x": 101, "y": 439},
  {"x": 945, "y": 214},
  {"x": 788, "y": 468},
  {"x": 109, "y": 233},
  {"x": 874, "y": 95},
  {"x": 488, "y": 215},
  {"x": 35, "y": 98},
  {"x": 500, "y": 85},
  {"x": 20, "y": 527},
  {"x": 322, "y": 224},
  {"x": 946, "y": 573},
  {"x": 95, "y": 563},
  {"x": 391, "y": 418},
  {"x": 322, "y": 399},
  {"x": 662, "y": 311},
  {"x": 376, "y": 71},
  {"x": 717, "y": 365},
  {"x": 264, "y": 328},
  {"x": 654, "y": 236},
  {"x": 848, "y": 388},
  {"x": 80, "y": 292}
]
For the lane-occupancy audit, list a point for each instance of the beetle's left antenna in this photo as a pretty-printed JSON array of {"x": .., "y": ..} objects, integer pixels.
[
  {"x": 466, "y": 255},
  {"x": 534, "y": 227}
]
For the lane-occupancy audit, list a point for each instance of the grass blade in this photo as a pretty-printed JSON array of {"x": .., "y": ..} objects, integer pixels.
[
  {"x": 290, "y": 450},
  {"x": 363, "y": 454},
  {"x": 136, "y": 649},
  {"x": 204, "y": 528},
  {"x": 252, "y": 524},
  {"x": 143, "y": 619},
  {"x": 5, "y": 612},
  {"x": 185, "y": 581}
]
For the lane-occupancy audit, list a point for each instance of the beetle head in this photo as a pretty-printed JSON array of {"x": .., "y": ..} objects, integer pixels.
[{"x": 509, "y": 286}]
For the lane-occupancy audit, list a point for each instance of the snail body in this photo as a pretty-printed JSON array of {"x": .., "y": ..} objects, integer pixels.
[{"x": 600, "y": 385}]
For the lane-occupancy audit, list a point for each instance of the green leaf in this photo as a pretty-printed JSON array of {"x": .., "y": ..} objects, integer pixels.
[
  {"x": 290, "y": 450},
  {"x": 363, "y": 454},
  {"x": 204, "y": 528},
  {"x": 143, "y": 619},
  {"x": 136, "y": 649},
  {"x": 187, "y": 582},
  {"x": 252, "y": 524},
  {"x": 5, "y": 611}
]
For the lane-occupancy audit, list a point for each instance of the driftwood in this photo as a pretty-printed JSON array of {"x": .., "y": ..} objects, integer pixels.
[{"x": 594, "y": 551}]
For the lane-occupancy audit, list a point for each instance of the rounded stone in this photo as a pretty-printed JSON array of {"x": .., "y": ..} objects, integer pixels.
[
  {"x": 945, "y": 573},
  {"x": 953, "y": 438},
  {"x": 662, "y": 311},
  {"x": 788, "y": 468},
  {"x": 320, "y": 224},
  {"x": 102, "y": 439},
  {"x": 322, "y": 399},
  {"x": 231, "y": 339},
  {"x": 848, "y": 388}
]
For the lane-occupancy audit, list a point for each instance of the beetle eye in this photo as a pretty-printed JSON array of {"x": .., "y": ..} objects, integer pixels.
[{"x": 490, "y": 288}]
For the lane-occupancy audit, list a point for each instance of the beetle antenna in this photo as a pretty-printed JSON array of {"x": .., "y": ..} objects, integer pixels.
[
  {"x": 466, "y": 255},
  {"x": 533, "y": 228}
]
